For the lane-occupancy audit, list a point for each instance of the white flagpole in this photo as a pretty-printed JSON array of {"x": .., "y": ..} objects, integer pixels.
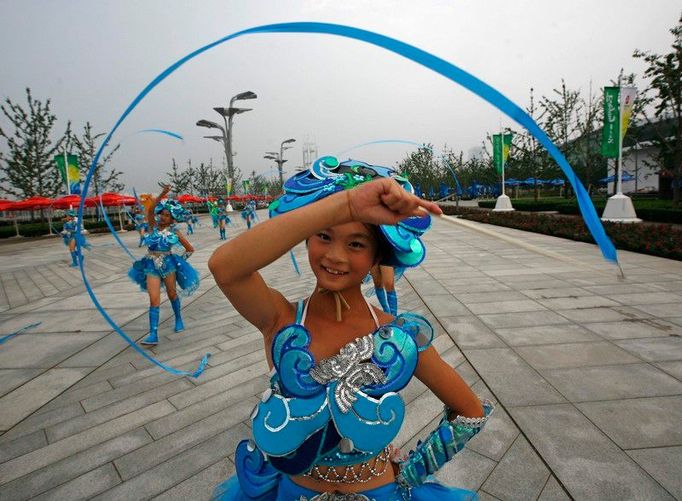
[
  {"x": 66, "y": 173},
  {"x": 502, "y": 154},
  {"x": 619, "y": 185}
]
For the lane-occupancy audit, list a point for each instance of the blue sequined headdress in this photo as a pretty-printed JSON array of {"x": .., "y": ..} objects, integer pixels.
[
  {"x": 327, "y": 176},
  {"x": 176, "y": 210}
]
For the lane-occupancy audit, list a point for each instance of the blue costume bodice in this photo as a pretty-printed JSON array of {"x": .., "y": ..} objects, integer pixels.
[
  {"x": 343, "y": 410},
  {"x": 70, "y": 227},
  {"x": 161, "y": 240}
]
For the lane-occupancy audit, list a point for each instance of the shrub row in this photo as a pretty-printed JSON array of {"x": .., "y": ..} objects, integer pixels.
[
  {"x": 648, "y": 210},
  {"x": 661, "y": 240},
  {"x": 42, "y": 229}
]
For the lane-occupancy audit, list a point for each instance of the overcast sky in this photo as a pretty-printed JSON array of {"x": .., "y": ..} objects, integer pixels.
[{"x": 91, "y": 58}]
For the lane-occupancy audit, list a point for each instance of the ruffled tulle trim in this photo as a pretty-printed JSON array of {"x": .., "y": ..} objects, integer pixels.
[
  {"x": 230, "y": 490},
  {"x": 186, "y": 276}
]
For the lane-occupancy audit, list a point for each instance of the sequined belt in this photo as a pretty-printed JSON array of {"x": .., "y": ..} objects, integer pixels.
[
  {"x": 157, "y": 258},
  {"x": 336, "y": 496},
  {"x": 353, "y": 474}
]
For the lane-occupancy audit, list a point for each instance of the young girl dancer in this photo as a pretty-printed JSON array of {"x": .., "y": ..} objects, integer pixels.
[
  {"x": 71, "y": 234},
  {"x": 160, "y": 267},
  {"x": 323, "y": 429}
]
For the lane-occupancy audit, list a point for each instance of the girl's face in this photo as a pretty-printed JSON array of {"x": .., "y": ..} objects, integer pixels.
[
  {"x": 165, "y": 217},
  {"x": 342, "y": 255}
]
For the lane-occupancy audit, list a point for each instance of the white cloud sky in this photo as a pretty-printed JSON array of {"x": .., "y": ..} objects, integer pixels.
[{"x": 91, "y": 58}]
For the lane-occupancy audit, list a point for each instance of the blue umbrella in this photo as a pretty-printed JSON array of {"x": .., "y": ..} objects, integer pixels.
[{"x": 612, "y": 179}]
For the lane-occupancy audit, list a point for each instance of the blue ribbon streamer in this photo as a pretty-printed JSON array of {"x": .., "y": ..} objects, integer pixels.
[
  {"x": 113, "y": 230},
  {"x": 434, "y": 63},
  {"x": 6, "y": 338},
  {"x": 166, "y": 132},
  {"x": 293, "y": 261}
]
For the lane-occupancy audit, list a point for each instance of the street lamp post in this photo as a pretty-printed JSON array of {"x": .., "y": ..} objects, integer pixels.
[
  {"x": 281, "y": 157},
  {"x": 226, "y": 130}
]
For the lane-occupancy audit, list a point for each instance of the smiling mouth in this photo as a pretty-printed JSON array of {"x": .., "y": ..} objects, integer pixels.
[{"x": 334, "y": 272}]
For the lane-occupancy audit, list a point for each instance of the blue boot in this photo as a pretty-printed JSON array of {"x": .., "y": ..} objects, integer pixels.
[
  {"x": 74, "y": 259},
  {"x": 392, "y": 299},
  {"x": 153, "y": 338},
  {"x": 381, "y": 296},
  {"x": 179, "y": 326}
]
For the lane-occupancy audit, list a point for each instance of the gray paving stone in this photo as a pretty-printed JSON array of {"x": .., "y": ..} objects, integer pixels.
[
  {"x": 169, "y": 446},
  {"x": 201, "y": 485},
  {"x": 54, "y": 452},
  {"x": 467, "y": 470},
  {"x": 42, "y": 350},
  {"x": 505, "y": 307},
  {"x": 12, "y": 378},
  {"x": 216, "y": 386},
  {"x": 24, "y": 400},
  {"x": 444, "y": 305},
  {"x": 22, "y": 445},
  {"x": 489, "y": 297},
  {"x": 522, "y": 319},
  {"x": 660, "y": 310},
  {"x": 74, "y": 395},
  {"x": 469, "y": 332},
  {"x": 635, "y": 328},
  {"x": 577, "y": 303},
  {"x": 587, "y": 463},
  {"x": 546, "y": 334},
  {"x": 104, "y": 414},
  {"x": 664, "y": 465},
  {"x": 602, "y": 314},
  {"x": 569, "y": 292},
  {"x": 672, "y": 368},
  {"x": 520, "y": 474},
  {"x": 512, "y": 380},
  {"x": 97, "y": 401},
  {"x": 179, "y": 468},
  {"x": 555, "y": 356},
  {"x": 654, "y": 349},
  {"x": 73, "y": 467},
  {"x": 499, "y": 432},
  {"x": 85, "y": 486},
  {"x": 188, "y": 415},
  {"x": 612, "y": 382},
  {"x": 553, "y": 491},
  {"x": 41, "y": 420},
  {"x": 638, "y": 423},
  {"x": 98, "y": 352}
]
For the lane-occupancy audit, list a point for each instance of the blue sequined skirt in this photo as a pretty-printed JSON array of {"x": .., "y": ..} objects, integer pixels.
[
  {"x": 79, "y": 237},
  {"x": 286, "y": 490},
  {"x": 186, "y": 277}
]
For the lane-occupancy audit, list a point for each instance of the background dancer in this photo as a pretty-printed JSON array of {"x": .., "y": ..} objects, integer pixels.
[
  {"x": 384, "y": 286},
  {"x": 160, "y": 267},
  {"x": 71, "y": 234},
  {"x": 141, "y": 225}
]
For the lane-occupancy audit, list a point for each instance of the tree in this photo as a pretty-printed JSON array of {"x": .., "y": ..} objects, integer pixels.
[
  {"x": 208, "y": 181},
  {"x": 665, "y": 74},
  {"x": 190, "y": 178},
  {"x": 176, "y": 179},
  {"x": 423, "y": 169},
  {"x": 28, "y": 168},
  {"x": 86, "y": 147}
]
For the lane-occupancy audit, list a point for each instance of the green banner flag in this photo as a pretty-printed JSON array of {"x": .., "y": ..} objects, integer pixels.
[
  {"x": 71, "y": 173},
  {"x": 609, "y": 141},
  {"x": 500, "y": 151}
]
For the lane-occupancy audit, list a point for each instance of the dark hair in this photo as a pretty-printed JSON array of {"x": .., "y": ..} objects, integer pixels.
[{"x": 383, "y": 247}]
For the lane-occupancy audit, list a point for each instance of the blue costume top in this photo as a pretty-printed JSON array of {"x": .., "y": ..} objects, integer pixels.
[
  {"x": 71, "y": 231},
  {"x": 140, "y": 223},
  {"x": 161, "y": 262}
]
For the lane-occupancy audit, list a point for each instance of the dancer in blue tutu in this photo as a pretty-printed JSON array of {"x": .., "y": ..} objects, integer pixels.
[
  {"x": 323, "y": 429},
  {"x": 223, "y": 221},
  {"x": 71, "y": 234},
  {"x": 141, "y": 225},
  {"x": 190, "y": 220},
  {"x": 249, "y": 213},
  {"x": 160, "y": 267}
]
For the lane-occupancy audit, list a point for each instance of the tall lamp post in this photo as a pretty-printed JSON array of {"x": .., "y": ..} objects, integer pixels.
[
  {"x": 281, "y": 157},
  {"x": 226, "y": 130}
]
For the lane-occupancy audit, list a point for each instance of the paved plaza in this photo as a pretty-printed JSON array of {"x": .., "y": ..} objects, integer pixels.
[{"x": 586, "y": 370}]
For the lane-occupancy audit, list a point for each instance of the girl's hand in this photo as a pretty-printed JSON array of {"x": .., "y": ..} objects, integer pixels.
[{"x": 384, "y": 201}]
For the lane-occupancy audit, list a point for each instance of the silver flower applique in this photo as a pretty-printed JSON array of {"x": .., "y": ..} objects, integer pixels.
[{"x": 349, "y": 370}]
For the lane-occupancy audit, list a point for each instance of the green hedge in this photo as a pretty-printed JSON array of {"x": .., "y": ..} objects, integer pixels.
[
  {"x": 661, "y": 240},
  {"x": 42, "y": 229},
  {"x": 655, "y": 211}
]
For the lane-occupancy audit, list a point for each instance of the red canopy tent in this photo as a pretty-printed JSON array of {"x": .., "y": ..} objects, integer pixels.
[
  {"x": 31, "y": 203},
  {"x": 187, "y": 198},
  {"x": 111, "y": 199},
  {"x": 70, "y": 202},
  {"x": 4, "y": 203}
]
